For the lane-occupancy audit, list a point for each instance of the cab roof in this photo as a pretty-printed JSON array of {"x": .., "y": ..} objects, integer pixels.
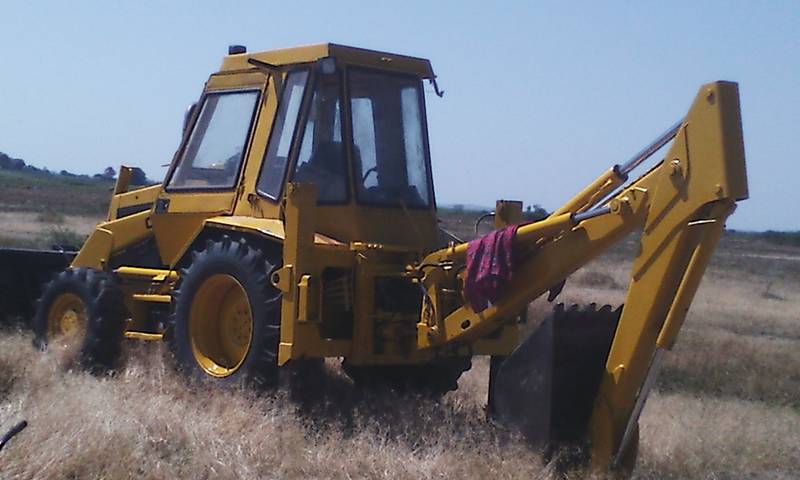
[{"x": 349, "y": 55}]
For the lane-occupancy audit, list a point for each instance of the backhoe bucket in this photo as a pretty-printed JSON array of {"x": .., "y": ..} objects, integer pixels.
[
  {"x": 547, "y": 386},
  {"x": 520, "y": 386}
]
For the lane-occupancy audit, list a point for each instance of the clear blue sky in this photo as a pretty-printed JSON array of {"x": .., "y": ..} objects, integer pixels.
[{"x": 541, "y": 96}]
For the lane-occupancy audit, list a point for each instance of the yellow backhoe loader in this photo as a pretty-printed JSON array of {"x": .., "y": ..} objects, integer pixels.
[{"x": 297, "y": 222}]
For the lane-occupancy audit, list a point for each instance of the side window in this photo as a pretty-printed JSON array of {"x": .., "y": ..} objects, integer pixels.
[
  {"x": 213, "y": 154},
  {"x": 322, "y": 158},
  {"x": 390, "y": 157},
  {"x": 364, "y": 140},
  {"x": 280, "y": 141},
  {"x": 416, "y": 169}
]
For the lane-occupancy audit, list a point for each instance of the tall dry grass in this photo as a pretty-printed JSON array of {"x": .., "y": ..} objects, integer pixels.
[
  {"x": 690, "y": 436},
  {"x": 726, "y": 406},
  {"x": 736, "y": 341},
  {"x": 147, "y": 422}
]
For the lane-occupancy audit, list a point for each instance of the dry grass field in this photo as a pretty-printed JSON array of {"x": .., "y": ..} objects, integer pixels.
[
  {"x": 727, "y": 404},
  {"x": 41, "y": 230}
]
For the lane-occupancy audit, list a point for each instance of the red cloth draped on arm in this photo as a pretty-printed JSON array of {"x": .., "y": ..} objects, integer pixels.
[{"x": 490, "y": 262}]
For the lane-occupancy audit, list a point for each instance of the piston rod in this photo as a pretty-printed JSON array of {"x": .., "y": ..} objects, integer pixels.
[
  {"x": 579, "y": 217},
  {"x": 644, "y": 154}
]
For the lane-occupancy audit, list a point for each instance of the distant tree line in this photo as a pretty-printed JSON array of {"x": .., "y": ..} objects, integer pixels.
[
  {"x": 531, "y": 213},
  {"x": 785, "y": 238},
  {"x": 9, "y": 163}
]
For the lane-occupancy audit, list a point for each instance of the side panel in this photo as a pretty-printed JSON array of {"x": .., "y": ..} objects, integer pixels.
[
  {"x": 175, "y": 231},
  {"x": 249, "y": 203},
  {"x": 134, "y": 201},
  {"x": 111, "y": 237},
  {"x": 179, "y": 215}
]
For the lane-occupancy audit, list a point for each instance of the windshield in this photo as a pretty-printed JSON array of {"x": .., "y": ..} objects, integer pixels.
[
  {"x": 390, "y": 151},
  {"x": 214, "y": 151}
]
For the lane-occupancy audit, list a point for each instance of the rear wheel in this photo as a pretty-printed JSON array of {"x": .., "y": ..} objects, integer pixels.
[
  {"x": 226, "y": 316},
  {"x": 82, "y": 309},
  {"x": 221, "y": 325}
]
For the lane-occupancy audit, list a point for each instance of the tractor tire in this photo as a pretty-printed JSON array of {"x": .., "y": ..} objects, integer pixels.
[
  {"x": 84, "y": 308},
  {"x": 225, "y": 321},
  {"x": 430, "y": 380}
]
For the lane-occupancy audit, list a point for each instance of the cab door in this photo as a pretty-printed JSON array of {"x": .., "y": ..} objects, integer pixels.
[{"x": 205, "y": 175}]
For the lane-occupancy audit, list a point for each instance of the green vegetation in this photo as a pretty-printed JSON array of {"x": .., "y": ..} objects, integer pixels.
[
  {"x": 17, "y": 242},
  {"x": 50, "y": 216},
  {"x": 781, "y": 238},
  {"x": 27, "y": 188},
  {"x": 28, "y": 191},
  {"x": 64, "y": 237}
]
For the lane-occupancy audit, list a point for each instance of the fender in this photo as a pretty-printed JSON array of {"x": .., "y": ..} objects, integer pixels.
[{"x": 270, "y": 228}]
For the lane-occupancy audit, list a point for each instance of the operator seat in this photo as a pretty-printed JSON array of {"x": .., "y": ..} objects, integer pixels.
[{"x": 327, "y": 170}]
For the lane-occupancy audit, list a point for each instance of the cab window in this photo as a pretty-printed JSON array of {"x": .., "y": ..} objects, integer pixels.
[
  {"x": 213, "y": 154},
  {"x": 390, "y": 151},
  {"x": 272, "y": 171},
  {"x": 322, "y": 160}
]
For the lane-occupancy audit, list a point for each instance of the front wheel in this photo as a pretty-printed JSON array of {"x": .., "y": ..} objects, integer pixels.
[
  {"x": 82, "y": 308},
  {"x": 226, "y": 314}
]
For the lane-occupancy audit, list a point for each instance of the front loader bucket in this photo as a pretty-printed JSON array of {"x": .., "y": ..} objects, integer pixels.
[
  {"x": 547, "y": 386},
  {"x": 23, "y": 272}
]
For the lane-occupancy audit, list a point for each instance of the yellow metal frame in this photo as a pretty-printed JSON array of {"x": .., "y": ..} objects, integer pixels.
[{"x": 350, "y": 55}]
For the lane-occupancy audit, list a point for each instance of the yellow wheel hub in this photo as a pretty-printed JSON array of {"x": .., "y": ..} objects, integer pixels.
[
  {"x": 66, "y": 317},
  {"x": 220, "y": 325}
]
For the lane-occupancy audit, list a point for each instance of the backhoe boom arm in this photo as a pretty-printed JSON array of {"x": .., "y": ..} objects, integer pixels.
[{"x": 680, "y": 206}]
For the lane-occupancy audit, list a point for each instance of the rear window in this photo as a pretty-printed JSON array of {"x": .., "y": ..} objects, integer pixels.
[{"x": 389, "y": 146}]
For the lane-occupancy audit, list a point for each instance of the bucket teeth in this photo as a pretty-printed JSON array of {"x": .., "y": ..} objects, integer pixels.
[{"x": 547, "y": 386}]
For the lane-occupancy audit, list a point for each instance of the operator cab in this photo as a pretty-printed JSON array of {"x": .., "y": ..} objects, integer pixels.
[
  {"x": 379, "y": 158},
  {"x": 347, "y": 120}
]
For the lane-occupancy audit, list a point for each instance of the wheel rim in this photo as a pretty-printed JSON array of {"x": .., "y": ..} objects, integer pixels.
[
  {"x": 220, "y": 325},
  {"x": 66, "y": 317}
]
